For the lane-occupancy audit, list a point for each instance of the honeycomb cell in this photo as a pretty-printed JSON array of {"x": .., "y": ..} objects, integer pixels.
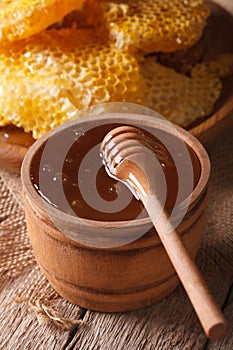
[
  {"x": 48, "y": 78},
  {"x": 179, "y": 98},
  {"x": 153, "y": 25},
  {"x": 23, "y": 18}
]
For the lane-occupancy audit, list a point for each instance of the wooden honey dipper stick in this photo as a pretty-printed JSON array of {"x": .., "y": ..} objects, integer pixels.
[{"x": 128, "y": 157}]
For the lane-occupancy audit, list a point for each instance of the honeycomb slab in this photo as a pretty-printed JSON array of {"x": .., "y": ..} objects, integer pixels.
[
  {"x": 48, "y": 78},
  {"x": 153, "y": 25},
  {"x": 180, "y": 98},
  {"x": 23, "y": 18}
]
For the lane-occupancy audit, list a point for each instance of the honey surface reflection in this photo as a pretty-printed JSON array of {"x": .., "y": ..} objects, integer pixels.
[{"x": 87, "y": 189}]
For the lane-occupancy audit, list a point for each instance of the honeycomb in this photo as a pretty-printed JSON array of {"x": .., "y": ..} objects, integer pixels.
[
  {"x": 154, "y": 25},
  {"x": 48, "y": 78},
  {"x": 220, "y": 66},
  {"x": 23, "y": 18},
  {"x": 179, "y": 98}
]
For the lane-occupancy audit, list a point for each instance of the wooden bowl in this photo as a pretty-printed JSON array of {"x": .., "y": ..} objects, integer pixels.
[{"x": 104, "y": 277}]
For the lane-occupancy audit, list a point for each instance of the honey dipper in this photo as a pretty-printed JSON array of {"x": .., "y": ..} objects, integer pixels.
[{"x": 128, "y": 157}]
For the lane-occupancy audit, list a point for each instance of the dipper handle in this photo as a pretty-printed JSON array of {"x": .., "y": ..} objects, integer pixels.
[
  {"x": 129, "y": 156},
  {"x": 211, "y": 317}
]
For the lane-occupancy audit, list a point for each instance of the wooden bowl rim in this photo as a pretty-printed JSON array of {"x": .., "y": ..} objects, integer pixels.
[{"x": 147, "y": 121}]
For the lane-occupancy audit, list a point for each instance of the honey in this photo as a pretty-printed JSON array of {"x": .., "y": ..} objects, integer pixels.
[{"x": 67, "y": 171}]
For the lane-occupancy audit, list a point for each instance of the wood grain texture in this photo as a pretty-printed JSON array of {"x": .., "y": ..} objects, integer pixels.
[
  {"x": 19, "y": 329},
  {"x": 170, "y": 324},
  {"x": 11, "y": 156}
]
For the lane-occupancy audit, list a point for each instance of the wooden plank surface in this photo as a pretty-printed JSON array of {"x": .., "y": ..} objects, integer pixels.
[
  {"x": 20, "y": 330},
  {"x": 170, "y": 324}
]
